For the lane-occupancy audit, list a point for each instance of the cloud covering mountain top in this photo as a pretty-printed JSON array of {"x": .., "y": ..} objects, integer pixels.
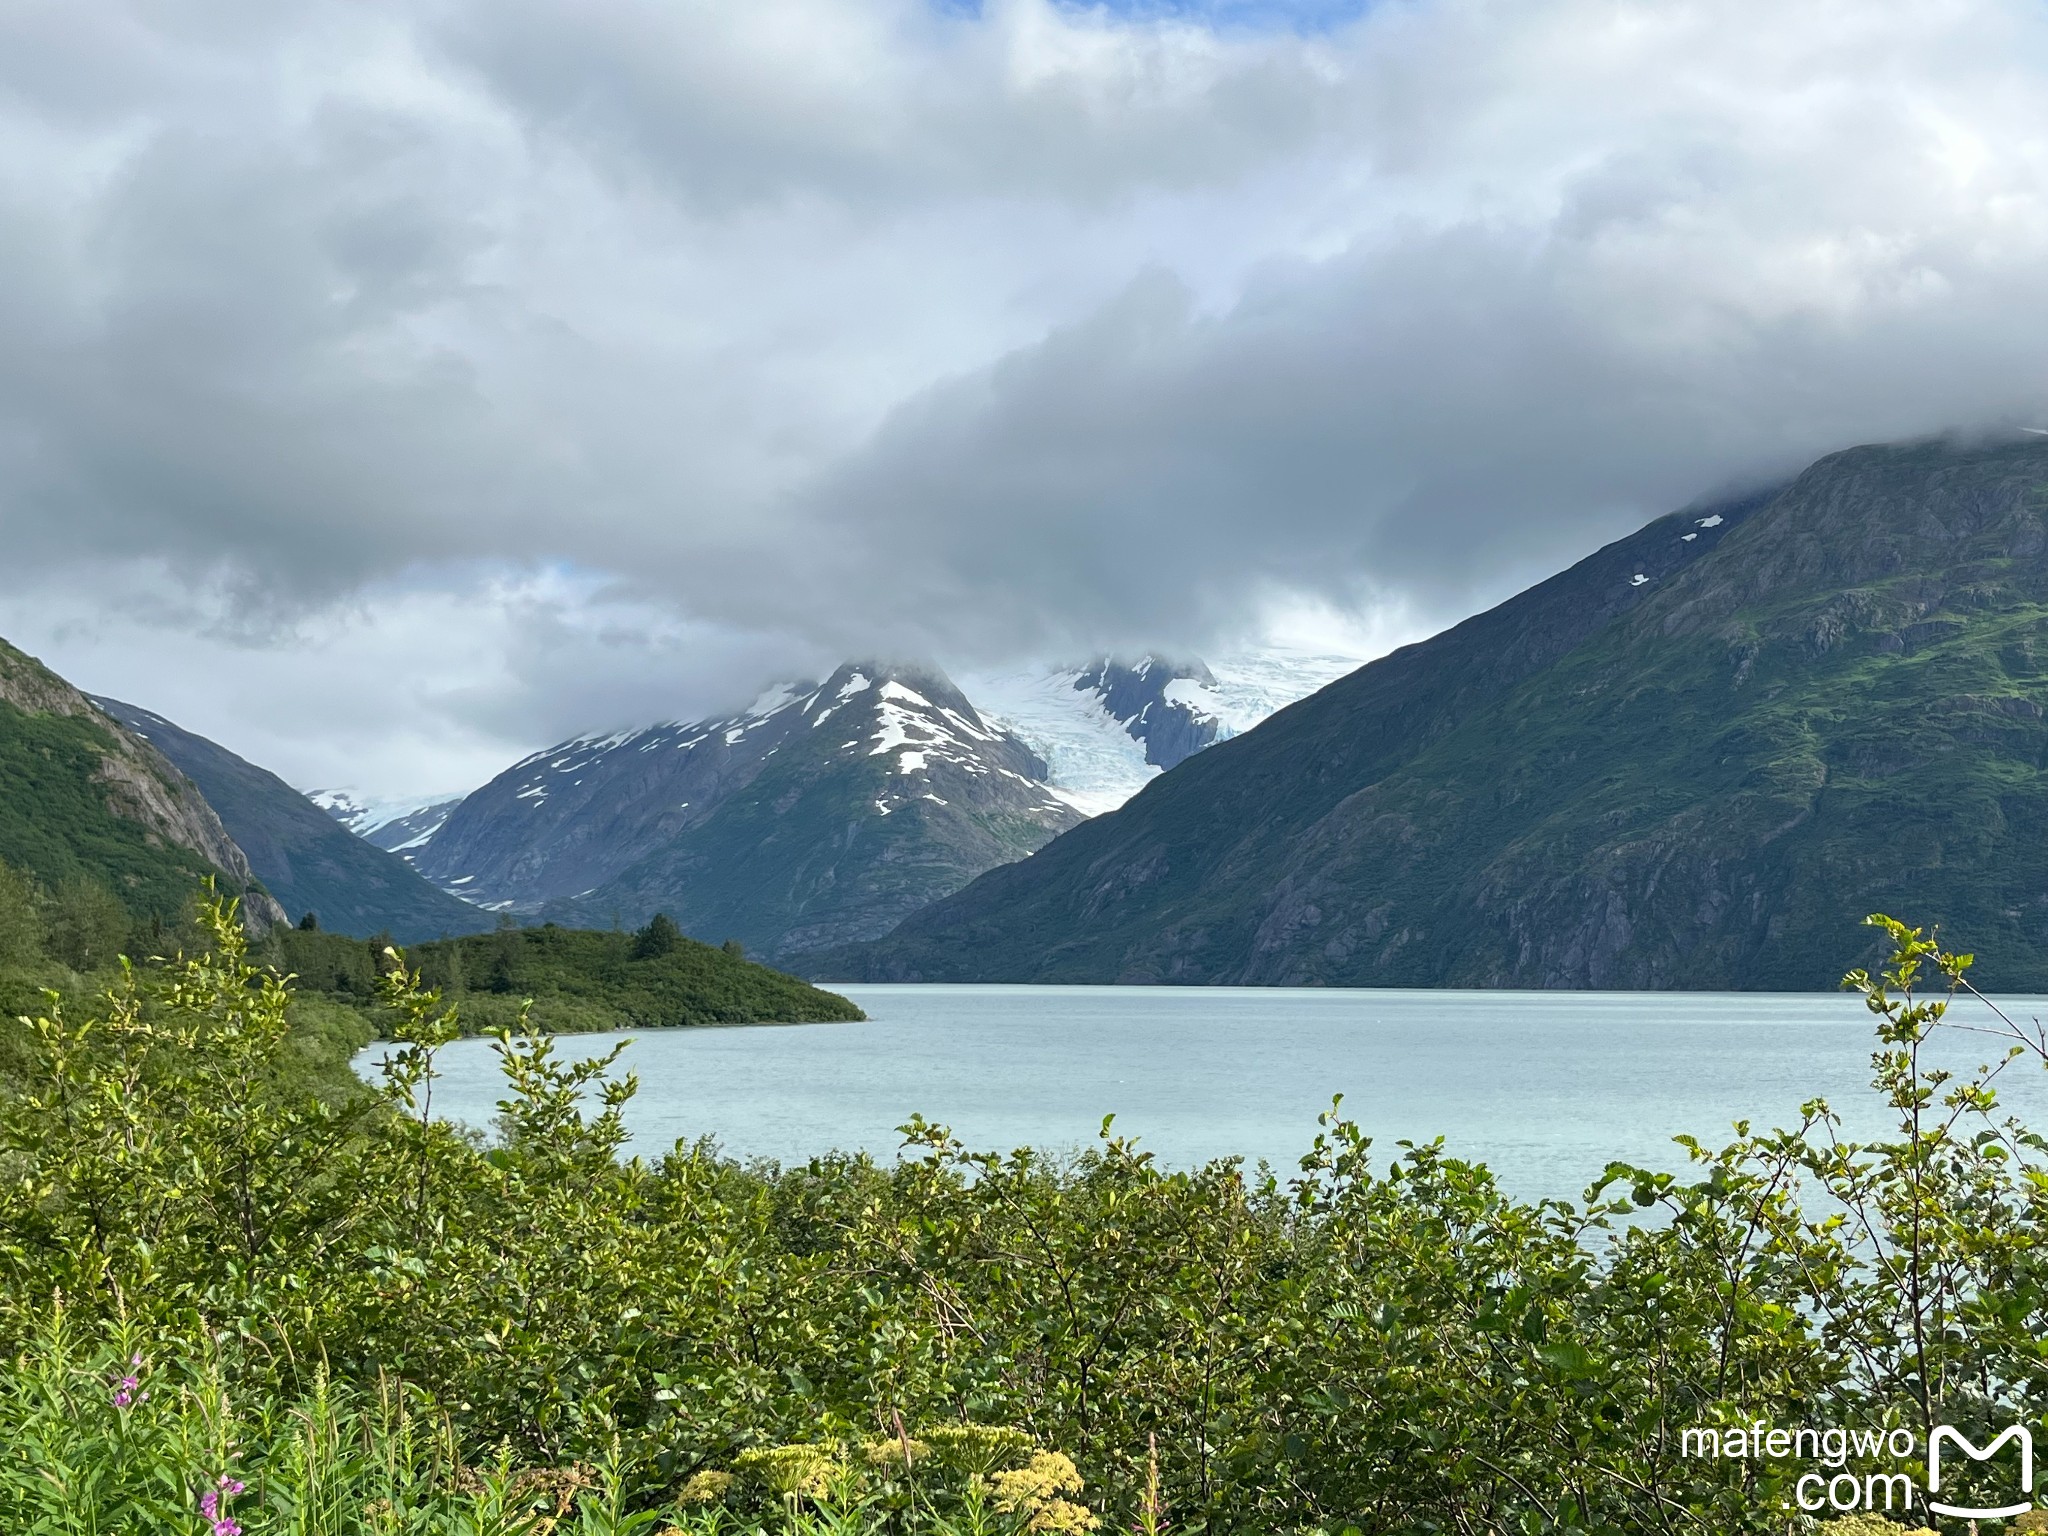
[{"x": 462, "y": 374}]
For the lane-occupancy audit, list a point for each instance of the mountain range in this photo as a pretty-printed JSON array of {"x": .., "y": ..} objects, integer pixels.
[
  {"x": 822, "y": 814},
  {"x": 1695, "y": 759},
  {"x": 767, "y": 826}
]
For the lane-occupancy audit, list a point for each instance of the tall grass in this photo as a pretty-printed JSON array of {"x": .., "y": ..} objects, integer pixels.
[
  {"x": 115, "y": 1439},
  {"x": 119, "y": 1441}
]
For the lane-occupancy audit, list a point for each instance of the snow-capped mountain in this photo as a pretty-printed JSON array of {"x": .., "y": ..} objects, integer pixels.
[
  {"x": 1105, "y": 729},
  {"x": 820, "y": 813}
]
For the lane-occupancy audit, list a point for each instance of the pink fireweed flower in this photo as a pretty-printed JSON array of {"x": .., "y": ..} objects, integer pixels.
[
  {"x": 125, "y": 1390},
  {"x": 212, "y": 1507}
]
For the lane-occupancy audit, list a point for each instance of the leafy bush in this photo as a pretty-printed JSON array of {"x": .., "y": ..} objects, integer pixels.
[{"x": 1390, "y": 1345}]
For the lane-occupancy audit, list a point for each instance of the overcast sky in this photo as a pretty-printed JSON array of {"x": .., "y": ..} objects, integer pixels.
[{"x": 388, "y": 387}]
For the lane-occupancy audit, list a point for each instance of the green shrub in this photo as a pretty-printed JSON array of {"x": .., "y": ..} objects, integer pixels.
[
  {"x": 21, "y": 921},
  {"x": 1385, "y": 1343}
]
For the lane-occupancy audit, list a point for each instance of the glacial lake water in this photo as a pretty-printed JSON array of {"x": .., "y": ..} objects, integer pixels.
[{"x": 1545, "y": 1087}]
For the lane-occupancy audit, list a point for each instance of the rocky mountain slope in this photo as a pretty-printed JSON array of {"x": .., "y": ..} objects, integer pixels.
[
  {"x": 1696, "y": 759},
  {"x": 822, "y": 814},
  {"x": 86, "y": 797},
  {"x": 309, "y": 861}
]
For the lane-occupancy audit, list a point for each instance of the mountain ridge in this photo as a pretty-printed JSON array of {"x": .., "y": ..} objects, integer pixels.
[
  {"x": 307, "y": 859},
  {"x": 87, "y": 796}
]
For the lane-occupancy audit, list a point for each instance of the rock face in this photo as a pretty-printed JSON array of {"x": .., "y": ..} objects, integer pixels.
[
  {"x": 156, "y": 812},
  {"x": 306, "y": 858},
  {"x": 822, "y": 814},
  {"x": 1696, "y": 759}
]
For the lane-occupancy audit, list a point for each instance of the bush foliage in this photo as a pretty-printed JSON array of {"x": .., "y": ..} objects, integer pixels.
[{"x": 1391, "y": 1345}]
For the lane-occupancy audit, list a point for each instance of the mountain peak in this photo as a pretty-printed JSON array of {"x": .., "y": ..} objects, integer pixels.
[
  {"x": 822, "y": 812},
  {"x": 922, "y": 679}
]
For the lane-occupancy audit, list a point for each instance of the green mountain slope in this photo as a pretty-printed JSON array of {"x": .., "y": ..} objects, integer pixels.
[
  {"x": 84, "y": 798},
  {"x": 1704, "y": 778},
  {"x": 308, "y": 860}
]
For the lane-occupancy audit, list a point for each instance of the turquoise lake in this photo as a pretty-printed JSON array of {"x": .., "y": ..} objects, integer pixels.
[{"x": 1546, "y": 1087}]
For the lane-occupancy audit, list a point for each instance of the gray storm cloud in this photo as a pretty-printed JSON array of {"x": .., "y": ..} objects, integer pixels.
[{"x": 806, "y": 327}]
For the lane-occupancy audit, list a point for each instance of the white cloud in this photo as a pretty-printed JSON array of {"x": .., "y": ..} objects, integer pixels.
[
  {"x": 415, "y": 689},
  {"x": 804, "y": 327}
]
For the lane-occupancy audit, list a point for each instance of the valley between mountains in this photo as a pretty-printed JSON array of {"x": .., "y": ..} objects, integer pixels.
[{"x": 1696, "y": 759}]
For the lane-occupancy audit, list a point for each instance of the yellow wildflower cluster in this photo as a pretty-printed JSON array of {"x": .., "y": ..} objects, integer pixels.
[
  {"x": 978, "y": 1449},
  {"x": 894, "y": 1455},
  {"x": 1873, "y": 1525},
  {"x": 996, "y": 1461},
  {"x": 706, "y": 1488},
  {"x": 1036, "y": 1488},
  {"x": 794, "y": 1471}
]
